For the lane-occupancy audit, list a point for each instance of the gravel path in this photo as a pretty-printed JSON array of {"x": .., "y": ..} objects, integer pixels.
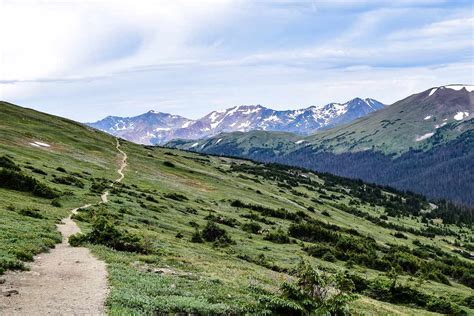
[{"x": 65, "y": 281}]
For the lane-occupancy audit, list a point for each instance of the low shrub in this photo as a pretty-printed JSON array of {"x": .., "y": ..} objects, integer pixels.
[
  {"x": 151, "y": 198},
  {"x": 7, "y": 163},
  {"x": 258, "y": 218},
  {"x": 55, "y": 202},
  {"x": 100, "y": 185},
  {"x": 212, "y": 232},
  {"x": 196, "y": 237},
  {"x": 278, "y": 237},
  {"x": 251, "y": 227},
  {"x": 69, "y": 180},
  {"x": 169, "y": 164},
  {"x": 36, "y": 170},
  {"x": 104, "y": 232},
  {"x": 326, "y": 213},
  {"x": 31, "y": 213},
  {"x": 17, "y": 180},
  {"x": 442, "y": 305},
  {"x": 400, "y": 235},
  {"x": 319, "y": 250},
  {"x": 469, "y": 301},
  {"x": 228, "y": 221},
  {"x": 311, "y": 294},
  {"x": 176, "y": 197},
  {"x": 329, "y": 257}
]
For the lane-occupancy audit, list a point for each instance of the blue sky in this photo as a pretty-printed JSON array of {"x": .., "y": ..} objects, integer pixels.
[{"x": 89, "y": 59}]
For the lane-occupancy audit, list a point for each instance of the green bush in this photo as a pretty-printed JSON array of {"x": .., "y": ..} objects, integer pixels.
[
  {"x": 176, "y": 197},
  {"x": 251, "y": 227},
  {"x": 151, "y": 198},
  {"x": 77, "y": 240},
  {"x": 23, "y": 255},
  {"x": 400, "y": 235},
  {"x": 469, "y": 301},
  {"x": 214, "y": 233},
  {"x": 329, "y": 257},
  {"x": 55, "y": 202},
  {"x": 69, "y": 180},
  {"x": 7, "y": 163},
  {"x": 196, "y": 237},
  {"x": 37, "y": 170},
  {"x": 104, "y": 232},
  {"x": 31, "y": 213},
  {"x": 228, "y": 221},
  {"x": 278, "y": 237},
  {"x": 442, "y": 305},
  {"x": 314, "y": 293},
  {"x": 100, "y": 185},
  {"x": 16, "y": 180},
  {"x": 169, "y": 164}
]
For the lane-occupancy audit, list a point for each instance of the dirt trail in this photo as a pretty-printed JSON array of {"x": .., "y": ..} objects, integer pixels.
[
  {"x": 123, "y": 164},
  {"x": 65, "y": 281}
]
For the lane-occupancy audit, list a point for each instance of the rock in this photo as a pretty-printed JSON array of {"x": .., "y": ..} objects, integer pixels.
[
  {"x": 10, "y": 292},
  {"x": 2, "y": 281}
]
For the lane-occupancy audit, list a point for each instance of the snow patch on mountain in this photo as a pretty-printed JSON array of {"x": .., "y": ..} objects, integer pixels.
[
  {"x": 457, "y": 87},
  {"x": 40, "y": 144},
  {"x": 461, "y": 115},
  {"x": 158, "y": 128},
  {"x": 432, "y": 91},
  {"x": 423, "y": 137}
]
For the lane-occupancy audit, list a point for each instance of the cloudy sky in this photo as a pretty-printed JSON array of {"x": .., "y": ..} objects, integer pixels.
[{"x": 89, "y": 59}]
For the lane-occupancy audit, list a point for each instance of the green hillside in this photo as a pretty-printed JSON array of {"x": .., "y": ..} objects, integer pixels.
[
  {"x": 203, "y": 234},
  {"x": 423, "y": 143}
]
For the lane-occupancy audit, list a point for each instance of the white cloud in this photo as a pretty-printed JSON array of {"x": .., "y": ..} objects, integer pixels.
[
  {"x": 124, "y": 57},
  {"x": 42, "y": 39}
]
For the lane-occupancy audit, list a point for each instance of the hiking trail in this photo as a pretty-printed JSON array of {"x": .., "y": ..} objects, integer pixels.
[{"x": 64, "y": 281}]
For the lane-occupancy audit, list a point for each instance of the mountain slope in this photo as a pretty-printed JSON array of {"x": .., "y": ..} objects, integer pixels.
[
  {"x": 210, "y": 235},
  {"x": 382, "y": 147},
  {"x": 148, "y": 128},
  {"x": 158, "y": 128}
]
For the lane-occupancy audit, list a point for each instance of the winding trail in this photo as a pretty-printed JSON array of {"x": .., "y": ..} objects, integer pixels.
[
  {"x": 65, "y": 281},
  {"x": 123, "y": 164}
]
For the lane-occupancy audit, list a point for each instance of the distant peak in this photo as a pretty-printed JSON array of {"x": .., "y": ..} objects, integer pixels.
[
  {"x": 456, "y": 87},
  {"x": 356, "y": 99}
]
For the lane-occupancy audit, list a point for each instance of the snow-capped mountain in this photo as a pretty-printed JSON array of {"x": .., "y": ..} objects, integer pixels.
[
  {"x": 149, "y": 128},
  {"x": 159, "y": 128}
]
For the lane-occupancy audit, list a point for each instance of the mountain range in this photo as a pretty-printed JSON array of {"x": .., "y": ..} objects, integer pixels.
[
  {"x": 423, "y": 143},
  {"x": 156, "y": 128}
]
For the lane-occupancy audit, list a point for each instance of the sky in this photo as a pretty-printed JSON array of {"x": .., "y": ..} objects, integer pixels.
[{"x": 89, "y": 59}]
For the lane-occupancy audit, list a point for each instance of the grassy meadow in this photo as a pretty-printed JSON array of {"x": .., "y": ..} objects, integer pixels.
[{"x": 162, "y": 252}]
